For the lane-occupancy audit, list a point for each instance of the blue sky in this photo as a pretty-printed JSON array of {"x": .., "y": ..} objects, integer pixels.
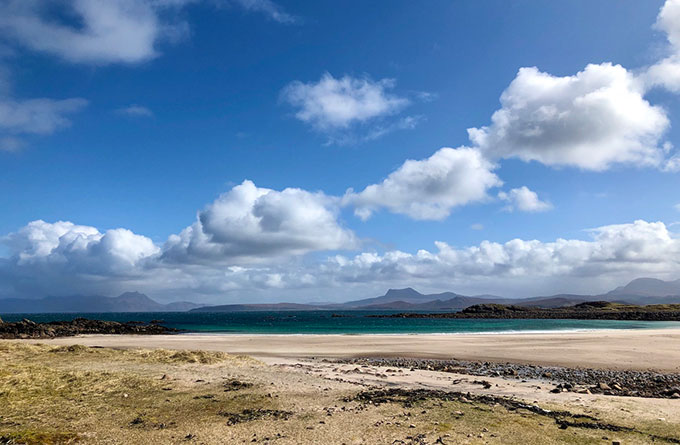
[{"x": 121, "y": 123}]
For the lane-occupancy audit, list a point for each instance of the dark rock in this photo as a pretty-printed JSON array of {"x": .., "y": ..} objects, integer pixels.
[
  {"x": 631, "y": 383},
  {"x": 29, "y": 329},
  {"x": 235, "y": 385},
  {"x": 592, "y": 310},
  {"x": 248, "y": 415}
]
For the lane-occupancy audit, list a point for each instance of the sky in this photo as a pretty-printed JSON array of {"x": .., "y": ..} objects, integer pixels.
[{"x": 242, "y": 151}]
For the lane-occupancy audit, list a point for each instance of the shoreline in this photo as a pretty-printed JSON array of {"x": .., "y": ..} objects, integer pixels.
[
  {"x": 470, "y": 333},
  {"x": 643, "y": 349}
]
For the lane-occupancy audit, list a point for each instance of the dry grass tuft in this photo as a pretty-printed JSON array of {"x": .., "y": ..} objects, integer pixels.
[
  {"x": 169, "y": 356},
  {"x": 39, "y": 438}
]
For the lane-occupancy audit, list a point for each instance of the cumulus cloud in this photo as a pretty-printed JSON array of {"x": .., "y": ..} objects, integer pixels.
[
  {"x": 337, "y": 103},
  {"x": 524, "y": 200},
  {"x": 591, "y": 120},
  {"x": 429, "y": 188},
  {"x": 64, "y": 257},
  {"x": 65, "y": 246},
  {"x": 349, "y": 109},
  {"x": 666, "y": 72},
  {"x": 237, "y": 242},
  {"x": 251, "y": 223}
]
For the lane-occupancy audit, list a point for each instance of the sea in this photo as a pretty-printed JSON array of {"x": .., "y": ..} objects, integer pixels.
[{"x": 341, "y": 322}]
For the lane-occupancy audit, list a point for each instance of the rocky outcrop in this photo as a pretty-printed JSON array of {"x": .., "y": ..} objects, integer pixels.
[
  {"x": 30, "y": 329},
  {"x": 595, "y": 310}
]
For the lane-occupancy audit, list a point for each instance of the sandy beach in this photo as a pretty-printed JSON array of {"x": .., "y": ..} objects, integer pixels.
[
  {"x": 657, "y": 349},
  {"x": 207, "y": 389}
]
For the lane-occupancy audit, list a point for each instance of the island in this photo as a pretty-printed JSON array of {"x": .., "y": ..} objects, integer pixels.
[{"x": 592, "y": 310}]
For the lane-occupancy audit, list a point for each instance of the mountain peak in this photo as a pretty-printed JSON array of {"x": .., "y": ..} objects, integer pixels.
[
  {"x": 407, "y": 291},
  {"x": 649, "y": 287},
  {"x": 133, "y": 294}
]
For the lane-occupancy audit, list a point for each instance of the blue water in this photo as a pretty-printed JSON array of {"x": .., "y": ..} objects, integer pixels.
[{"x": 354, "y": 322}]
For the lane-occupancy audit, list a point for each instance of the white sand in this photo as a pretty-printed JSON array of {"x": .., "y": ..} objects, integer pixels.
[{"x": 657, "y": 349}]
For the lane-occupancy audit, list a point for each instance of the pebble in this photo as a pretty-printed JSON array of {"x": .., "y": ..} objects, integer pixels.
[{"x": 585, "y": 381}]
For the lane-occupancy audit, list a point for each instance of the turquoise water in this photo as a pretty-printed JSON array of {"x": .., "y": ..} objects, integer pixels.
[{"x": 354, "y": 322}]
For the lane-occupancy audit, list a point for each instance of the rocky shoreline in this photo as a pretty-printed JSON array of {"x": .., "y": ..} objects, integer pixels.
[
  {"x": 27, "y": 329},
  {"x": 597, "y": 310},
  {"x": 561, "y": 379}
]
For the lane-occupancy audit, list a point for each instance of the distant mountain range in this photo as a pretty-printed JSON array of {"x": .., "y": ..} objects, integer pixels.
[
  {"x": 127, "y": 302},
  {"x": 639, "y": 291}
]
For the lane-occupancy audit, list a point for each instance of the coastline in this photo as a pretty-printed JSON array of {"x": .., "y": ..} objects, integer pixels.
[{"x": 643, "y": 349}]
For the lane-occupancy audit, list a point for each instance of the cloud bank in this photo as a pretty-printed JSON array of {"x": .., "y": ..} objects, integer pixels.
[{"x": 68, "y": 257}]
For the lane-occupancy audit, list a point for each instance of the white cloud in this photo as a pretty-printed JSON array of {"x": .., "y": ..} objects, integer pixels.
[
  {"x": 66, "y": 258},
  {"x": 83, "y": 249},
  {"x": 677, "y": 207},
  {"x": 524, "y": 200},
  {"x": 429, "y": 188},
  {"x": 250, "y": 223},
  {"x": 269, "y": 8},
  {"x": 405, "y": 123},
  {"x": 666, "y": 72},
  {"x": 672, "y": 165},
  {"x": 246, "y": 226},
  {"x": 106, "y": 31},
  {"x": 614, "y": 255},
  {"x": 135, "y": 111},
  {"x": 33, "y": 116},
  {"x": 37, "y": 116},
  {"x": 592, "y": 120},
  {"x": 332, "y": 105},
  {"x": 477, "y": 226},
  {"x": 121, "y": 31}
]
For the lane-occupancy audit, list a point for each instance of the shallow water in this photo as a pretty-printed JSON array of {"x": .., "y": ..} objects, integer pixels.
[{"x": 352, "y": 322}]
